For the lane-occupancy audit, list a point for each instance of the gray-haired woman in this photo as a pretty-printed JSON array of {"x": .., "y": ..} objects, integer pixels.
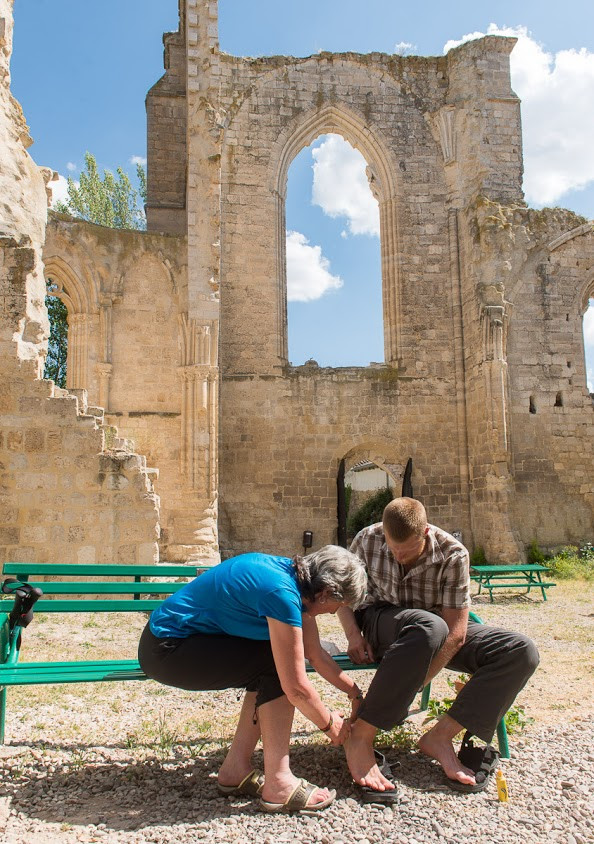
[{"x": 250, "y": 623}]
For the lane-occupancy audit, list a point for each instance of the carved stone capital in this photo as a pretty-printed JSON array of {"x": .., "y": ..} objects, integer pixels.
[
  {"x": 104, "y": 370},
  {"x": 195, "y": 372}
]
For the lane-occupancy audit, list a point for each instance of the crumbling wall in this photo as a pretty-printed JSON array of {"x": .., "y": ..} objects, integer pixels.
[
  {"x": 135, "y": 357},
  {"x": 483, "y": 383},
  {"x": 62, "y": 497}
]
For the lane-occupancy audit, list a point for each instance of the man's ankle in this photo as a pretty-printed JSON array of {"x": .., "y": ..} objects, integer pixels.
[{"x": 363, "y": 731}]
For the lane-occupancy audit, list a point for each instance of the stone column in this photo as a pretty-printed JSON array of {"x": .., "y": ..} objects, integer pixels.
[
  {"x": 77, "y": 370},
  {"x": 104, "y": 373}
]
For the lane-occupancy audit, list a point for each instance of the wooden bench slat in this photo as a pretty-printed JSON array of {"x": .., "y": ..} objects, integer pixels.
[
  {"x": 525, "y": 584},
  {"x": 91, "y": 671},
  {"x": 165, "y": 570},
  {"x": 86, "y": 605},
  {"x": 86, "y": 588}
]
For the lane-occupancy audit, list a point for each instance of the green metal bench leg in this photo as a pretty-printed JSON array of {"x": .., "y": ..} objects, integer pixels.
[
  {"x": 502, "y": 739},
  {"x": 2, "y": 713}
]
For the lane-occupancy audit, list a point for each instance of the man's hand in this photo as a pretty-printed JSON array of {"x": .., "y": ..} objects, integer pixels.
[{"x": 359, "y": 650}]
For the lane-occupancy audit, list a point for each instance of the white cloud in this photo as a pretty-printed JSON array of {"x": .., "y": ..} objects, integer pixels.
[
  {"x": 59, "y": 190},
  {"x": 138, "y": 159},
  {"x": 308, "y": 272},
  {"x": 403, "y": 48},
  {"x": 341, "y": 188},
  {"x": 557, "y": 91},
  {"x": 71, "y": 167}
]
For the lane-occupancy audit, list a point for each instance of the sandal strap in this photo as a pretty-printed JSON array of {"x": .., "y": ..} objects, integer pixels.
[
  {"x": 481, "y": 760},
  {"x": 299, "y": 797},
  {"x": 253, "y": 784}
]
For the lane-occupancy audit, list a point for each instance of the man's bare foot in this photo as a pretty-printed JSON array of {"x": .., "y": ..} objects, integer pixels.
[
  {"x": 439, "y": 746},
  {"x": 361, "y": 759}
]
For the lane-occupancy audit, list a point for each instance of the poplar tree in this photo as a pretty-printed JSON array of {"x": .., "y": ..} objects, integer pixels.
[{"x": 106, "y": 200}]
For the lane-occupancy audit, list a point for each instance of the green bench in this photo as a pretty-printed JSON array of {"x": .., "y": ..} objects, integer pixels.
[
  {"x": 135, "y": 595},
  {"x": 526, "y": 577}
]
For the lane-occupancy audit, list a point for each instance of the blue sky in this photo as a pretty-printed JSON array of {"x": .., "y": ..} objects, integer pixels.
[{"x": 81, "y": 70}]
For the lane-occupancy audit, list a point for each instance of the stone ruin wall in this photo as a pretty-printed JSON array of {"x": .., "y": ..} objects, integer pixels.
[
  {"x": 483, "y": 305},
  {"x": 460, "y": 257},
  {"x": 130, "y": 342},
  {"x": 63, "y": 498}
]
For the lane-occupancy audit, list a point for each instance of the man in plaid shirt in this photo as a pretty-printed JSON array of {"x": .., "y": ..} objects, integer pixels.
[{"x": 415, "y": 620}]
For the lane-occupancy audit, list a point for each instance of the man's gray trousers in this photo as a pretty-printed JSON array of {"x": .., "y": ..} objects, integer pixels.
[{"x": 406, "y": 640}]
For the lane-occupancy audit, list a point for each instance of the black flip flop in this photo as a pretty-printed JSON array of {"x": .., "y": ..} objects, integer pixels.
[
  {"x": 370, "y": 795},
  {"x": 482, "y": 761}
]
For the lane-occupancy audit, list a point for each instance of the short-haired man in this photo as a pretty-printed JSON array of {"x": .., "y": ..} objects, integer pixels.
[{"x": 415, "y": 620}]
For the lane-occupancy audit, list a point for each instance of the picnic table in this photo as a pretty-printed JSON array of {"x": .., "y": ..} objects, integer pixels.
[{"x": 527, "y": 576}]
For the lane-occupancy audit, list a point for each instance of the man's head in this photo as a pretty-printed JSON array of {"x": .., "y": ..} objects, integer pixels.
[{"x": 405, "y": 529}]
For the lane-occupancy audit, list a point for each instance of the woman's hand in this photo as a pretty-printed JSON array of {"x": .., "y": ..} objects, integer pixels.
[{"x": 340, "y": 729}]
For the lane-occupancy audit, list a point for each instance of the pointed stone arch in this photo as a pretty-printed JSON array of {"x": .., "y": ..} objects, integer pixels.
[
  {"x": 381, "y": 172},
  {"x": 75, "y": 295},
  {"x": 70, "y": 289}
]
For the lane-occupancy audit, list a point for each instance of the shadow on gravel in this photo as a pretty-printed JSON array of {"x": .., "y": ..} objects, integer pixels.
[
  {"x": 483, "y": 599},
  {"x": 128, "y": 795}
]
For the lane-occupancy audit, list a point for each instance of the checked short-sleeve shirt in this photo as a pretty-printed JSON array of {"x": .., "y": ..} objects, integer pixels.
[{"x": 439, "y": 579}]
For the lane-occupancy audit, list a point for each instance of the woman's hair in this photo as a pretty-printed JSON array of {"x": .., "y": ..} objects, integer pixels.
[{"x": 335, "y": 569}]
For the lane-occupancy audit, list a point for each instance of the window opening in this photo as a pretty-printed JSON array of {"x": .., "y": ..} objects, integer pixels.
[
  {"x": 334, "y": 286},
  {"x": 532, "y": 406},
  {"x": 368, "y": 488},
  {"x": 588, "y": 329},
  {"x": 559, "y": 400},
  {"x": 57, "y": 347}
]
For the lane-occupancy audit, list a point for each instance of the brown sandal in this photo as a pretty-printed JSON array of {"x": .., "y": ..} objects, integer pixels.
[
  {"x": 298, "y": 800},
  {"x": 250, "y": 786}
]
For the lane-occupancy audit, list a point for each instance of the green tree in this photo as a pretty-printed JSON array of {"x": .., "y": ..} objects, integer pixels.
[
  {"x": 107, "y": 200},
  {"x": 370, "y": 512},
  {"x": 57, "y": 347}
]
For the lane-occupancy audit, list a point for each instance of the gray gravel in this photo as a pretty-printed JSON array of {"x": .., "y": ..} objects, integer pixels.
[{"x": 112, "y": 795}]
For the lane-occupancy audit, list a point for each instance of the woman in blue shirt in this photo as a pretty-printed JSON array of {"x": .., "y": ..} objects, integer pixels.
[{"x": 250, "y": 623}]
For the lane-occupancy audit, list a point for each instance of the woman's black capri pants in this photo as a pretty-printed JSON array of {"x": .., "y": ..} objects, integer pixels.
[{"x": 205, "y": 662}]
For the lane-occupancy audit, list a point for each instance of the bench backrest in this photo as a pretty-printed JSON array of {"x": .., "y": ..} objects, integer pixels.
[{"x": 133, "y": 595}]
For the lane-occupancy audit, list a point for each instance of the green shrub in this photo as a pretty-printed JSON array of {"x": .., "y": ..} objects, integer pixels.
[
  {"x": 370, "y": 512},
  {"x": 477, "y": 558},
  {"x": 573, "y": 563},
  {"x": 534, "y": 555}
]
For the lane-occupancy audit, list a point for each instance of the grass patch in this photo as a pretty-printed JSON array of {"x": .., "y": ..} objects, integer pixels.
[
  {"x": 402, "y": 737},
  {"x": 516, "y": 719},
  {"x": 572, "y": 563}
]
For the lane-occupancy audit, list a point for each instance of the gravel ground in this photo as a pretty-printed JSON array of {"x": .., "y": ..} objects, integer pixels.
[{"x": 134, "y": 762}]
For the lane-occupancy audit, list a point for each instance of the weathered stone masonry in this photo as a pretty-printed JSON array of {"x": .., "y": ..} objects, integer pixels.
[
  {"x": 484, "y": 382},
  {"x": 70, "y": 489}
]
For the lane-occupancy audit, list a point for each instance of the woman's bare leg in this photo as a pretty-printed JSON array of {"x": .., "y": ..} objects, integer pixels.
[
  {"x": 238, "y": 762},
  {"x": 276, "y": 719}
]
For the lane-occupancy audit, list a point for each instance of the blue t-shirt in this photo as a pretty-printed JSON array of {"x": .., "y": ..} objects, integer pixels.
[{"x": 235, "y": 598}]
